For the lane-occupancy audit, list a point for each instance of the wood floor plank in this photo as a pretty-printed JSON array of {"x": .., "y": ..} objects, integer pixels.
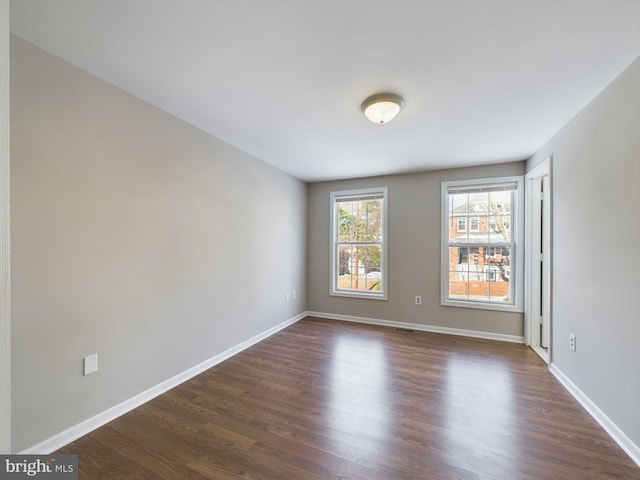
[{"x": 331, "y": 400}]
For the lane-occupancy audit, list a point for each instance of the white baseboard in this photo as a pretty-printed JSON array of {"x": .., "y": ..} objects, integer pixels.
[
  {"x": 629, "y": 447},
  {"x": 424, "y": 328},
  {"x": 73, "y": 433}
]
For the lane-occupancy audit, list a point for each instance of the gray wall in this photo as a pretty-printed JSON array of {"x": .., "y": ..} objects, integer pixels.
[
  {"x": 413, "y": 250},
  {"x": 596, "y": 234},
  {"x": 5, "y": 332},
  {"x": 134, "y": 236}
]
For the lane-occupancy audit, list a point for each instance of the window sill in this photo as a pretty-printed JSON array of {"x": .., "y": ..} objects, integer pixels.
[
  {"x": 482, "y": 306},
  {"x": 368, "y": 296}
]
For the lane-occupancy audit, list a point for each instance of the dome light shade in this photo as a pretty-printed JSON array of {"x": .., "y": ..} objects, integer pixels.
[{"x": 382, "y": 108}]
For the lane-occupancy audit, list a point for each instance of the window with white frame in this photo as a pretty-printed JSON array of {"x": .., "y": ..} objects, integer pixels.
[
  {"x": 359, "y": 243},
  {"x": 482, "y": 265}
]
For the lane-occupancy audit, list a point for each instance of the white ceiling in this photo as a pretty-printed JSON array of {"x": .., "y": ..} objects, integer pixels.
[{"x": 483, "y": 81}]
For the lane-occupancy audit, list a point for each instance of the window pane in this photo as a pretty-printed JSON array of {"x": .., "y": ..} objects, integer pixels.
[
  {"x": 478, "y": 203},
  {"x": 346, "y": 222},
  {"x": 474, "y": 258},
  {"x": 497, "y": 291},
  {"x": 479, "y": 273},
  {"x": 359, "y": 268},
  {"x": 344, "y": 260},
  {"x": 459, "y": 205},
  {"x": 360, "y": 221},
  {"x": 369, "y": 221},
  {"x": 500, "y": 205},
  {"x": 458, "y": 285}
]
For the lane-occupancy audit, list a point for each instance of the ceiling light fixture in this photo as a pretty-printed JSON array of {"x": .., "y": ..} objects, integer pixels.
[{"x": 382, "y": 107}]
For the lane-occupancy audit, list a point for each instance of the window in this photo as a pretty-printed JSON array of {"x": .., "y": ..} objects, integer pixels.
[
  {"x": 358, "y": 243},
  {"x": 462, "y": 224},
  {"x": 482, "y": 265}
]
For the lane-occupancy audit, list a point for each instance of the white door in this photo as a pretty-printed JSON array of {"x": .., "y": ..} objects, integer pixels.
[
  {"x": 538, "y": 274},
  {"x": 545, "y": 256}
]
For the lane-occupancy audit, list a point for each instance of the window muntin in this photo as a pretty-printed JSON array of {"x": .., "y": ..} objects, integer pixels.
[
  {"x": 358, "y": 247},
  {"x": 479, "y": 265}
]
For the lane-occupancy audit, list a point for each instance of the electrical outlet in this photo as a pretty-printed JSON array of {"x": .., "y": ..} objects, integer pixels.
[
  {"x": 293, "y": 294},
  {"x": 418, "y": 300},
  {"x": 572, "y": 342}
]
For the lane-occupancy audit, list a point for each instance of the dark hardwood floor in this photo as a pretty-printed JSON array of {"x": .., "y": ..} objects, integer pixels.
[{"x": 331, "y": 400}]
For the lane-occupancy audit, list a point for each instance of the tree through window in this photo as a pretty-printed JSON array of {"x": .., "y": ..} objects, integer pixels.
[{"x": 358, "y": 253}]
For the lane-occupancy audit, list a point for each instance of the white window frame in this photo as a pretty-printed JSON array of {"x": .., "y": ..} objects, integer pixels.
[
  {"x": 334, "y": 245},
  {"x": 517, "y": 233}
]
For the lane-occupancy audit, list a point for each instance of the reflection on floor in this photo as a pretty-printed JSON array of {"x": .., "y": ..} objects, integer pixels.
[{"x": 324, "y": 399}]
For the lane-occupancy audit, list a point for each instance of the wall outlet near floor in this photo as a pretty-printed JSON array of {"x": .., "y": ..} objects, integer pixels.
[
  {"x": 418, "y": 300},
  {"x": 90, "y": 364},
  {"x": 293, "y": 294},
  {"x": 572, "y": 342}
]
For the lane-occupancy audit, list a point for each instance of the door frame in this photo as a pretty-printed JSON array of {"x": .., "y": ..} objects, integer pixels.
[{"x": 533, "y": 285}]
